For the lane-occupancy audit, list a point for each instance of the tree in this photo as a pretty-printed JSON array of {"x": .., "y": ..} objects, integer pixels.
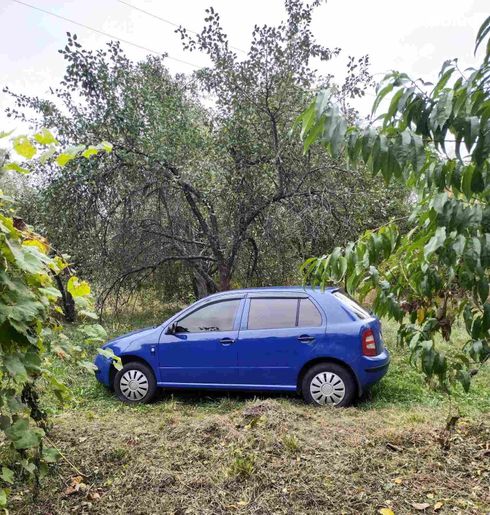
[
  {"x": 30, "y": 330},
  {"x": 198, "y": 191},
  {"x": 436, "y": 141}
]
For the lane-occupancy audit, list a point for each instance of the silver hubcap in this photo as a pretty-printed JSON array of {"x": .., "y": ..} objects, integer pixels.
[
  {"x": 134, "y": 385},
  {"x": 327, "y": 388}
]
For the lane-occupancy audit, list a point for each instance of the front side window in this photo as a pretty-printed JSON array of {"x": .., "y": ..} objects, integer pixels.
[
  {"x": 219, "y": 316},
  {"x": 272, "y": 313}
]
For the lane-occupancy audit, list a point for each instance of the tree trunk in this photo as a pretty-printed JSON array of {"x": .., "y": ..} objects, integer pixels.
[
  {"x": 224, "y": 277},
  {"x": 67, "y": 302},
  {"x": 199, "y": 286}
]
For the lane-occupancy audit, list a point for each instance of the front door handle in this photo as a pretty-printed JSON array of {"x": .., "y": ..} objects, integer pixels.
[
  {"x": 305, "y": 338},
  {"x": 227, "y": 341}
]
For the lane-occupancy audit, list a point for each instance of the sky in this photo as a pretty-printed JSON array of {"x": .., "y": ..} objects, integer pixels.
[{"x": 415, "y": 37}]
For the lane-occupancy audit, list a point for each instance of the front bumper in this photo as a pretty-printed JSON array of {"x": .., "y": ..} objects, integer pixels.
[{"x": 102, "y": 373}]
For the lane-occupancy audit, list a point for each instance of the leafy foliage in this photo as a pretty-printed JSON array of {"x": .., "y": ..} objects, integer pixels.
[
  {"x": 194, "y": 197},
  {"x": 30, "y": 328},
  {"x": 436, "y": 140}
]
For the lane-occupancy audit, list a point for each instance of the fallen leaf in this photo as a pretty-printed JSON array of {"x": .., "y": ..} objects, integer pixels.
[
  {"x": 421, "y": 505},
  {"x": 438, "y": 505},
  {"x": 397, "y": 481},
  {"x": 75, "y": 485},
  {"x": 386, "y": 511},
  {"x": 93, "y": 496}
]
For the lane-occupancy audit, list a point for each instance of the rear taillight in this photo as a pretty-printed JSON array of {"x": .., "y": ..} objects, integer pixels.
[{"x": 368, "y": 343}]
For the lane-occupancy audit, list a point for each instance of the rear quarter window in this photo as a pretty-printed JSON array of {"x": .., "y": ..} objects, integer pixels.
[{"x": 352, "y": 305}]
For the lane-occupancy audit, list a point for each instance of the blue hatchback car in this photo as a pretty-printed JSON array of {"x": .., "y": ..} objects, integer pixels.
[{"x": 321, "y": 344}]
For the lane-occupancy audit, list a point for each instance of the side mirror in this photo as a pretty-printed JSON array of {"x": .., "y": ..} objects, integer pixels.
[{"x": 172, "y": 328}]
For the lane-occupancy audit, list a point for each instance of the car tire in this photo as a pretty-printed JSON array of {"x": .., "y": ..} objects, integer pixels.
[
  {"x": 135, "y": 383},
  {"x": 328, "y": 384}
]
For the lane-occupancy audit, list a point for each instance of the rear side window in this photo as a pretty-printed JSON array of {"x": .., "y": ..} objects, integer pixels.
[
  {"x": 219, "y": 316},
  {"x": 272, "y": 313},
  {"x": 309, "y": 316},
  {"x": 282, "y": 313},
  {"x": 352, "y": 305}
]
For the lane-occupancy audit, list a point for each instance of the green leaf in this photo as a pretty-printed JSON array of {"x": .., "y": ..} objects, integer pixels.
[
  {"x": 22, "y": 435},
  {"x": 3, "y": 497},
  {"x": 28, "y": 466},
  {"x": 464, "y": 378},
  {"x": 467, "y": 179},
  {"x": 93, "y": 333},
  {"x": 16, "y": 168},
  {"x": 382, "y": 93},
  {"x": 50, "y": 291},
  {"x": 7, "y": 475},
  {"x": 88, "y": 365},
  {"x": 90, "y": 151},
  {"x": 442, "y": 110},
  {"x": 459, "y": 245},
  {"x": 64, "y": 158},
  {"x": 44, "y": 137},
  {"x": 472, "y": 129},
  {"x": 393, "y": 107},
  {"x": 51, "y": 455},
  {"x": 77, "y": 288},
  {"x": 24, "y": 147},
  {"x": 486, "y": 317},
  {"x": 483, "y": 289},
  {"x": 482, "y": 33},
  {"x": 109, "y": 354},
  {"x": 26, "y": 258},
  {"x": 436, "y": 242},
  {"x": 338, "y": 137},
  {"x": 442, "y": 81},
  {"x": 15, "y": 367}
]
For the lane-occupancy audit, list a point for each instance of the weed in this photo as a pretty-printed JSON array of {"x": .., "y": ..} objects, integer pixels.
[
  {"x": 291, "y": 443},
  {"x": 243, "y": 465},
  {"x": 117, "y": 455}
]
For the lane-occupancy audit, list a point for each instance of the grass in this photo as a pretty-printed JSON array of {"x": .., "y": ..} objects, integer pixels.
[{"x": 211, "y": 452}]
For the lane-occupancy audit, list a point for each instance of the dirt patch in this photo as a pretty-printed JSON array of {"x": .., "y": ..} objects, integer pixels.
[{"x": 261, "y": 457}]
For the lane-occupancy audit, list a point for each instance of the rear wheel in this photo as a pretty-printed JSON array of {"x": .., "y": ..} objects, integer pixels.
[
  {"x": 135, "y": 383},
  {"x": 328, "y": 384}
]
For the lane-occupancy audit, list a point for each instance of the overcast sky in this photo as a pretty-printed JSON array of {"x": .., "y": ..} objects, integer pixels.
[{"x": 414, "y": 36}]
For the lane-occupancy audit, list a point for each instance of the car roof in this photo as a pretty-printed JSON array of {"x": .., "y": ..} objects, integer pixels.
[{"x": 275, "y": 289}]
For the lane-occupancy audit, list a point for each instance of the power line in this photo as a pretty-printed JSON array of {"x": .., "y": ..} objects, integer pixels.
[
  {"x": 105, "y": 33},
  {"x": 169, "y": 22}
]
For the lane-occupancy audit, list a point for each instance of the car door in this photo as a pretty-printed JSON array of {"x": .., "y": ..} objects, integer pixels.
[
  {"x": 202, "y": 351},
  {"x": 276, "y": 338}
]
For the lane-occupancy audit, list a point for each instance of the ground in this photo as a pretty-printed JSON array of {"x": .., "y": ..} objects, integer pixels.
[{"x": 213, "y": 453}]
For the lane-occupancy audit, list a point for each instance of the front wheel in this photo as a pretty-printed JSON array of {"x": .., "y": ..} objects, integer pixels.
[
  {"x": 135, "y": 384},
  {"x": 328, "y": 384}
]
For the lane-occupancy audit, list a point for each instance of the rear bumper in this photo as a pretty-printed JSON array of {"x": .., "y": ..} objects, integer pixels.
[
  {"x": 371, "y": 370},
  {"x": 102, "y": 373}
]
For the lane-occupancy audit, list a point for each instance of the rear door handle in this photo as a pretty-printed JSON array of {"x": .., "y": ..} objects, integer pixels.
[
  {"x": 227, "y": 341},
  {"x": 305, "y": 338}
]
